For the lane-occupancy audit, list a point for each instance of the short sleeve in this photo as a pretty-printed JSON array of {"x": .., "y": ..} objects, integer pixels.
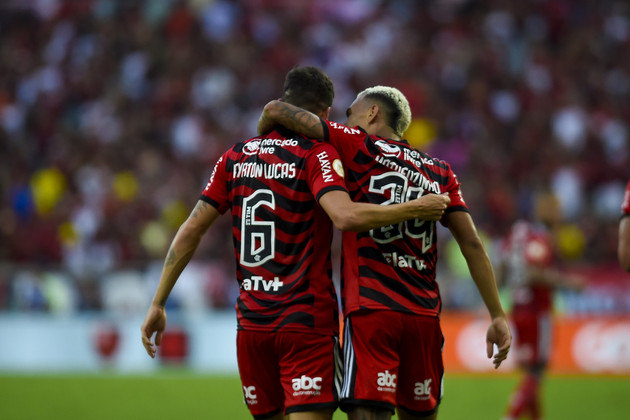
[
  {"x": 454, "y": 191},
  {"x": 343, "y": 138},
  {"x": 216, "y": 192},
  {"x": 324, "y": 170}
]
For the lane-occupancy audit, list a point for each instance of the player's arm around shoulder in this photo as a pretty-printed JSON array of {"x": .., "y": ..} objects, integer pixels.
[
  {"x": 348, "y": 215},
  {"x": 292, "y": 117},
  {"x": 179, "y": 254},
  {"x": 462, "y": 227}
]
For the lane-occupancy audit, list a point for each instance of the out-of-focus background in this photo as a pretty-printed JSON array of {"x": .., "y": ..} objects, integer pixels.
[{"x": 112, "y": 114}]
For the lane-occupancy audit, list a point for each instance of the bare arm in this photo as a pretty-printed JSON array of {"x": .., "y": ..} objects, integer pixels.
[
  {"x": 349, "y": 215},
  {"x": 554, "y": 278},
  {"x": 295, "y": 119},
  {"x": 179, "y": 254},
  {"x": 183, "y": 247},
  {"x": 623, "y": 249},
  {"x": 463, "y": 229}
]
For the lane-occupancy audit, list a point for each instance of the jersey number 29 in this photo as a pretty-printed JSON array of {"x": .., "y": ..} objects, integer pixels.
[{"x": 399, "y": 192}]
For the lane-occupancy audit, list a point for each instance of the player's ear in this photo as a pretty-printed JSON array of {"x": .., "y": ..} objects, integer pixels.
[
  {"x": 326, "y": 113},
  {"x": 372, "y": 113}
]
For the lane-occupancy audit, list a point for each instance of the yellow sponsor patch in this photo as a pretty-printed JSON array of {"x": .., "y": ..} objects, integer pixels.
[{"x": 338, "y": 167}]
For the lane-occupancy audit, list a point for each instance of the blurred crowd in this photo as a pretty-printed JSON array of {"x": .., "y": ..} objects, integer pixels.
[{"x": 112, "y": 114}]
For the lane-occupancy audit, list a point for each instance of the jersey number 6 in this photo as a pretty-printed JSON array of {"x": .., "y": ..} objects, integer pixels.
[{"x": 258, "y": 238}]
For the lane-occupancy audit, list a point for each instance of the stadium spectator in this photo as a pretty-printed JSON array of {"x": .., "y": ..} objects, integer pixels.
[
  {"x": 106, "y": 126},
  {"x": 287, "y": 308},
  {"x": 390, "y": 298},
  {"x": 624, "y": 232},
  {"x": 528, "y": 269}
]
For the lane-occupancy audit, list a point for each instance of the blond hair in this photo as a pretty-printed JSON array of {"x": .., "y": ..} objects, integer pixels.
[{"x": 398, "y": 113}]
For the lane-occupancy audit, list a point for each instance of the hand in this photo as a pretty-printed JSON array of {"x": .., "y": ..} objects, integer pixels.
[
  {"x": 431, "y": 206},
  {"x": 499, "y": 334},
  {"x": 154, "y": 322}
]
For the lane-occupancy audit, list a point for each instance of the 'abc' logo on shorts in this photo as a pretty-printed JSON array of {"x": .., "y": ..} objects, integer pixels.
[
  {"x": 306, "y": 383},
  {"x": 422, "y": 389},
  {"x": 386, "y": 379},
  {"x": 250, "y": 392}
]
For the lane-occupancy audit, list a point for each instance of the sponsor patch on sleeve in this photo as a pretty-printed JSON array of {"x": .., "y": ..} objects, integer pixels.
[{"x": 338, "y": 167}]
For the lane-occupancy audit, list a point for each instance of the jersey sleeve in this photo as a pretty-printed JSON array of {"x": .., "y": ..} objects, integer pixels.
[
  {"x": 216, "y": 192},
  {"x": 454, "y": 191},
  {"x": 324, "y": 170},
  {"x": 343, "y": 138},
  {"x": 625, "y": 206}
]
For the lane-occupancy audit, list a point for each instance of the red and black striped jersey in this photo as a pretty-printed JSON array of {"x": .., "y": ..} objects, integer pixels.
[
  {"x": 527, "y": 245},
  {"x": 625, "y": 206},
  {"x": 392, "y": 267},
  {"x": 281, "y": 235}
]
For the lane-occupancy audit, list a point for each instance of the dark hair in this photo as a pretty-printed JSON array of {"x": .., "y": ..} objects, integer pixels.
[{"x": 308, "y": 88}]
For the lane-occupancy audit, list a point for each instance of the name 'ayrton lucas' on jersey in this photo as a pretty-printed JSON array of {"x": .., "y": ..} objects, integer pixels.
[{"x": 265, "y": 170}]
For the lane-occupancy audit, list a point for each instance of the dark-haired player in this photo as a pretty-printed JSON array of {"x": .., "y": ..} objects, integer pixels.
[
  {"x": 280, "y": 189},
  {"x": 623, "y": 250},
  {"x": 392, "y": 338}
]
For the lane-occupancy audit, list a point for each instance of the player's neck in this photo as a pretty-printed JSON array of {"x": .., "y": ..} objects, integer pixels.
[{"x": 382, "y": 130}]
